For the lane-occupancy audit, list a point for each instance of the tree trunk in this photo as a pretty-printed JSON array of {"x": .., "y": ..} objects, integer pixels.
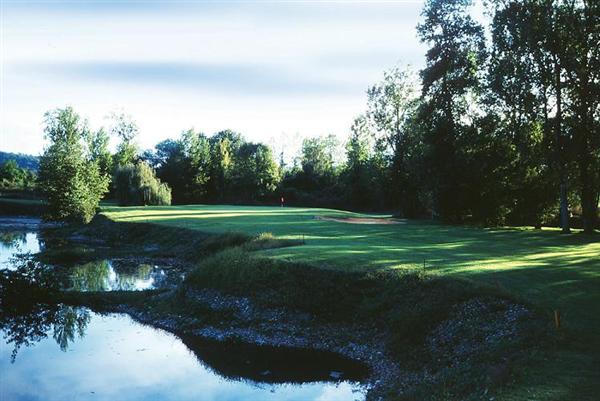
[
  {"x": 589, "y": 199},
  {"x": 564, "y": 202}
]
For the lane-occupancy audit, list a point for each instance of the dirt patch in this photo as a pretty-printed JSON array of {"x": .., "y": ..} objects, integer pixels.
[{"x": 362, "y": 220}]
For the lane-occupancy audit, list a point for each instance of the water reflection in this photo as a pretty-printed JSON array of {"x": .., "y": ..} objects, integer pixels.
[
  {"x": 265, "y": 364},
  {"x": 106, "y": 275},
  {"x": 13, "y": 243},
  {"x": 27, "y": 327},
  {"x": 120, "y": 359}
]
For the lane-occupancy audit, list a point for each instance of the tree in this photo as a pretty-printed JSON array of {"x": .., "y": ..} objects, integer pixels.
[
  {"x": 69, "y": 177},
  {"x": 137, "y": 185},
  {"x": 10, "y": 171},
  {"x": 172, "y": 167},
  {"x": 196, "y": 148},
  {"x": 256, "y": 174},
  {"x": 580, "y": 26},
  {"x": 358, "y": 166},
  {"x": 318, "y": 155},
  {"x": 97, "y": 143},
  {"x": 223, "y": 146},
  {"x": 391, "y": 107},
  {"x": 124, "y": 128},
  {"x": 456, "y": 53}
]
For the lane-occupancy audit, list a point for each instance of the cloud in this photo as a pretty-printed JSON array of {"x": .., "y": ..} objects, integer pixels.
[
  {"x": 257, "y": 80},
  {"x": 261, "y": 67}
]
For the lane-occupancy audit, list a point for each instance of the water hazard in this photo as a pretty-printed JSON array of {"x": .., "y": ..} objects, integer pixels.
[
  {"x": 18, "y": 240},
  {"x": 75, "y": 354},
  {"x": 69, "y": 353}
]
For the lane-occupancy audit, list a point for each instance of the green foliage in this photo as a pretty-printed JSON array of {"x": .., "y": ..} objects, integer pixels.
[
  {"x": 454, "y": 58},
  {"x": 97, "y": 143},
  {"x": 69, "y": 177},
  {"x": 197, "y": 150},
  {"x": 14, "y": 177},
  {"x": 256, "y": 175},
  {"x": 24, "y": 161},
  {"x": 138, "y": 185},
  {"x": 391, "y": 109},
  {"x": 361, "y": 185},
  {"x": 124, "y": 128},
  {"x": 318, "y": 156},
  {"x": 223, "y": 167},
  {"x": 223, "y": 146}
]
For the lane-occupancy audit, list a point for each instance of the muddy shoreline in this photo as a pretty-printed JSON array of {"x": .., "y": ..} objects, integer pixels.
[{"x": 279, "y": 328}]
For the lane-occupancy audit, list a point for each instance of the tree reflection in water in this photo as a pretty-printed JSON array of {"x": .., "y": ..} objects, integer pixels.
[
  {"x": 103, "y": 275},
  {"x": 12, "y": 238},
  {"x": 27, "y": 315},
  {"x": 27, "y": 327}
]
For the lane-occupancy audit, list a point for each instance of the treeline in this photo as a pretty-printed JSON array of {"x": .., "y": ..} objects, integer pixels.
[
  {"x": 501, "y": 126},
  {"x": 220, "y": 168},
  {"x": 26, "y": 162},
  {"x": 77, "y": 169},
  {"x": 503, "y": 130},
  {"x": 13, "y": 177}
]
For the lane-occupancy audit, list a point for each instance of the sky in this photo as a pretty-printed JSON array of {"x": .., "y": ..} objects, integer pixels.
[{"x": 275, "y": 71}]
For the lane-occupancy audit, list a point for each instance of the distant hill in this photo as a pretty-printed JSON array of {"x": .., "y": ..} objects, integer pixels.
[{"x": 24, "y": 161}]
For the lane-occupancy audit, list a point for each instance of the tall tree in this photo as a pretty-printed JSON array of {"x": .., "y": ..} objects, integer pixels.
[
  {"x": 124, "y": 128},
  {"x": 196, "y": 148},
  {"x": 580, "y": 26},
  {"x": 223, "y": 147},
  {"x": 456, "y": 53},
  {"x": 391, "y": 106},
  {"x": 171, "y": 167},
  {"x": 256, "y": 174},
  {"x": 97, "y": 143},
  {"x": 318, "y": 155},
  {"x": 358, "y": 167},
  {"x": 519, "y": 97},
  {"x": 70, "y": 178}
]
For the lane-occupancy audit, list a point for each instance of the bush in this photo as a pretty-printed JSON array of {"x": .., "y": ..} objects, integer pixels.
[{"x": 137, "y": 185}]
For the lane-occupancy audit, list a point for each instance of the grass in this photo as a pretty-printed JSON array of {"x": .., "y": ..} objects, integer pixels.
[
  {"x": 407, "y": 305},
  {"x": 553, "y": 271}
]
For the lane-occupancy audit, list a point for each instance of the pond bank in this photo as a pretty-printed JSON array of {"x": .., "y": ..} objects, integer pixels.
[{"x": 421, "y": 336}]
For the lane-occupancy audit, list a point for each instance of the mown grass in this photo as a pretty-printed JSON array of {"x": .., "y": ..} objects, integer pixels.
[{"x": 553, "y": 271}]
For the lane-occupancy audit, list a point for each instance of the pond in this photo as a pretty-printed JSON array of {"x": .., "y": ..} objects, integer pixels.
[
  {"x": 63, "y": 352},
  {"x": 14, "y": 241},
  {"x": 97, "y": 275},
  {"x": 108, "y": 275},
  {"x": 73, "y": 353}
]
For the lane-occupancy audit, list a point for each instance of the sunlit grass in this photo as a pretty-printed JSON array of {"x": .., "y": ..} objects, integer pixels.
[
  {"x": 551, "y": 270},
  {"x": 540, "y": 265}
]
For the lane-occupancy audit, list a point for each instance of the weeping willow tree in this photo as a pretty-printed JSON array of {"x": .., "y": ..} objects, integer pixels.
[{"x": 136, "y": 184}]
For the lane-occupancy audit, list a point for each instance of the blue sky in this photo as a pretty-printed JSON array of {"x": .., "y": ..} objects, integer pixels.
[{"x": 275, "y": 71}]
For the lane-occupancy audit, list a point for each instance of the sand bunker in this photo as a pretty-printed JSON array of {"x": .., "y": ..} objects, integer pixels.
[{"x": 361, "y": 220}]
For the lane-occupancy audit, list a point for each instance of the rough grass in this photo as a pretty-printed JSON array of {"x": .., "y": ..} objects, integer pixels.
[
  {"x": 406, "y": 305},
  {"x": 147, "y": 239},
  {"x": 409, "y": 303},
  {"x": 553, "y": 271}
]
